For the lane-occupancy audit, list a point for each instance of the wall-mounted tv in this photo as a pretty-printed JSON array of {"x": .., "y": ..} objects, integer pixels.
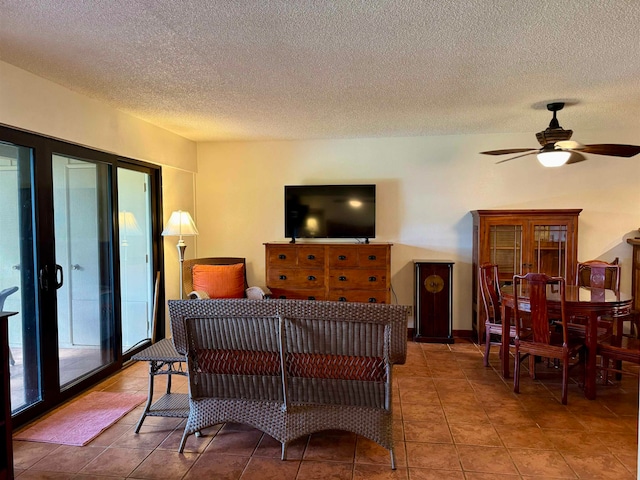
[{"x": 330, "y": 211}]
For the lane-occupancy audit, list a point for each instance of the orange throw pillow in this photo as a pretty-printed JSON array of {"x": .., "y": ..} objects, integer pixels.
[{"x": 219, "y": 281}]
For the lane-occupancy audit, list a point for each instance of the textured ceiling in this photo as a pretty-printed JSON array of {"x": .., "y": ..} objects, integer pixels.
[{"x": 277, "y": 69}]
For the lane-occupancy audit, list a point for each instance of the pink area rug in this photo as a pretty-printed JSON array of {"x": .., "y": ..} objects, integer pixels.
[{"x": 83, "y": 419}]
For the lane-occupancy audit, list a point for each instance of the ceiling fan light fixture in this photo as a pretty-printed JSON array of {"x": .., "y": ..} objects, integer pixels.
[{"x": 555, "y": 158}]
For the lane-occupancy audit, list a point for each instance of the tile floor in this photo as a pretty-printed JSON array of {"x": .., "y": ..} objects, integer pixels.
[{"x": 455, "y": 419}]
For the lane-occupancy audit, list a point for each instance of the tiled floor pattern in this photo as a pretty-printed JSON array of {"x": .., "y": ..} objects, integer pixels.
[{"x": 455, "y": 419}]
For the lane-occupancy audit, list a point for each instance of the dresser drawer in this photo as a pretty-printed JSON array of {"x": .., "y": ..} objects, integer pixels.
[
  {"x": 373, "y": 257},
  {"x": 282, "y": 256},
  {"x": 311, "y": 257},
  {"x": 358, "y": 279},
  {"x": 364, "y": 296},
  {"x": 295, "y": 278},
  {"x": 300, "y": 294},
  {"x": 342, "y": 256}
]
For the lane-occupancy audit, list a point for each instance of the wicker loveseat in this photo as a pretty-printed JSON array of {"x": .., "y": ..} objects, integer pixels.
[{"x": 291, "y": 367}]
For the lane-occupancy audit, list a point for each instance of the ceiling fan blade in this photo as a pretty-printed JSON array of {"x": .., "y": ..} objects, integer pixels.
[
  {"x": 612, "y": 149},
  {"x": 508, "y": 150},
  {"x": 531, "y": 152},
  {"x": 575, "y": 158},
  {"x": 569, "y": 145}
]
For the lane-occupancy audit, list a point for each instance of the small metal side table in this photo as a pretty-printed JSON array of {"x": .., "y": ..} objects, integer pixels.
[
  {"x": 433, "y": 302},
  {"x": 163, "y": 360}
]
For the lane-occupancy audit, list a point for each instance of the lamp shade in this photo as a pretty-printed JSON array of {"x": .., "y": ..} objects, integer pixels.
[
  {"x": 554, "y": 158},
  {"x": 180, "y": 223}
]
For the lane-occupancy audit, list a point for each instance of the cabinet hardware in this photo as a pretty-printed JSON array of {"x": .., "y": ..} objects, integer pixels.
[
  {"x": 282, "y": 256},
  {"x": 283, "y": 277},
  {"x": 342, "y": 278}
]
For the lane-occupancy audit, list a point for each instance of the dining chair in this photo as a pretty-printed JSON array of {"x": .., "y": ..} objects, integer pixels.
[
  {"x": 601, "y": 274},
  {"x": 490, "y": 294},
  {"x": 617, "y": 348},
  {"x": 536, "y": 335}
]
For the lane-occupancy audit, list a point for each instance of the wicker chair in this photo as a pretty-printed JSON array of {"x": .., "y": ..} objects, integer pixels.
[{"x": 291, "y": 367}]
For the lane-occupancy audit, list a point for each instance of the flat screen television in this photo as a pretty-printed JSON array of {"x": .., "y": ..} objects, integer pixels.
[{"x": 330, "y": 211}]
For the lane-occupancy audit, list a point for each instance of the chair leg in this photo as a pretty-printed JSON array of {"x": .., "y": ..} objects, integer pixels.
[
  {"x": 532, "y": 366},
  {"x": 393, "y": 460},
  {"x": 487, "y": 346},
  {"x": 183, "y": 442},
  {"x": 565, "y": 378},
  {"x": 516, "y": 372}
]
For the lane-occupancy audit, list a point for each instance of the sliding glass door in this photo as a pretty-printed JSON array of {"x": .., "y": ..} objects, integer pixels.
[
  {"x": 135, "y": 245},
  {"x": 18, "y": 277},
  {"x": 85, "y": 315},
  {"x": 79, "y": 249}
]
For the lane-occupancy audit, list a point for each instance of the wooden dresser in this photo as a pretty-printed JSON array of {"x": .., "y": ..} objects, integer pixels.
[{"x": 329, "y": 271}]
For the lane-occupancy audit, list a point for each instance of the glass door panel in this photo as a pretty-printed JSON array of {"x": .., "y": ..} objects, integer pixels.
[
  {"x": 17, "y": 274},
  {"x": 134, "y": 218},
  {"x": 506, "y": 250},
  {"x": 83, "y": 257},
  {"x": 550, "y": 249}
]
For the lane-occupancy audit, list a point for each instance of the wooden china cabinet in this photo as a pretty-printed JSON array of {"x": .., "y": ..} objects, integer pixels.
[{"x": 523, "y": 241}]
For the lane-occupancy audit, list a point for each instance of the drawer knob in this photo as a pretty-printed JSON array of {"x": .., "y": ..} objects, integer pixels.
[
  {"x": 283, "y": 277},
  {"x": 373, "y": 300},
  {"x": 311, "y": 297},
  {"x": 311, "y": 257},
  {"x": 342, "y": 278},
  {"x": 373, "y": 279},
  {"x": 282, "y": 297},
  {"x": 342, "y": 257},
  {"x": 311, "y": 278},
  {"x": 372, "y": 257},
  {"x": 282, "y": 256},
  {"x": 342, "y": 299}
]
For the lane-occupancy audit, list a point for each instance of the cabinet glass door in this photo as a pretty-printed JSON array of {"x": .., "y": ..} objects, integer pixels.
[
  {"x": 505, "y": 243},
  {"x": 550, "y": 250}
]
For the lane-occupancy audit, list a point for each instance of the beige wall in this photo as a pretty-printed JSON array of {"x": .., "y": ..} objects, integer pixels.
[
  {"x": 34, "y": 104},
  {"x": 426, "y": 187}
]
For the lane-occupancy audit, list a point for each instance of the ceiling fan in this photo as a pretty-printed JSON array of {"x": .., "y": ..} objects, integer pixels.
[{"x": 558, "y": 148}]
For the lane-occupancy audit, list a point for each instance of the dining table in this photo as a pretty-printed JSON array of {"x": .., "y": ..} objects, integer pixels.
[{"x": 580, "y": 302}]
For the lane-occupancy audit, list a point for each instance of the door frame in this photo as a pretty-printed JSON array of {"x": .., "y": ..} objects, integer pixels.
[{"x": 45, "y": 303}]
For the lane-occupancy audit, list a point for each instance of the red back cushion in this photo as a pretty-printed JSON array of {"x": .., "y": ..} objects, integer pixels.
[{"x": 219, "y": 281}]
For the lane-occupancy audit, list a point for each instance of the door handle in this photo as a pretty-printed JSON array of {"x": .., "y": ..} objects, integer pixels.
[
  {"x": 43, "y": 278},
  {"x": 59, "y": 271}
]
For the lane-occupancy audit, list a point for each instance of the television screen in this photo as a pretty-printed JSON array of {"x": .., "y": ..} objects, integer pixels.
[{"x": 330, "y": 211}]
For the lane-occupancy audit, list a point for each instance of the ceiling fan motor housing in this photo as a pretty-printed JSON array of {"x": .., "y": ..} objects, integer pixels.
[{"x": 553, "y": 135}]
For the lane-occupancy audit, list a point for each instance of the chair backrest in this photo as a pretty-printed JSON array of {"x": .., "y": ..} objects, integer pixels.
[
  {"x": 599, "y": 274},
  {"x": 532, "y": 321},
  {"x": 187, "y": 269},
  {"x": 490, "y": 291},
  {"x": 4, "y": 294}
]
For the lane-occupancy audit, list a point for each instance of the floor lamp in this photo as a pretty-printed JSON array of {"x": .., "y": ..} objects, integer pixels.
[{"x": 180, "y": 224}]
